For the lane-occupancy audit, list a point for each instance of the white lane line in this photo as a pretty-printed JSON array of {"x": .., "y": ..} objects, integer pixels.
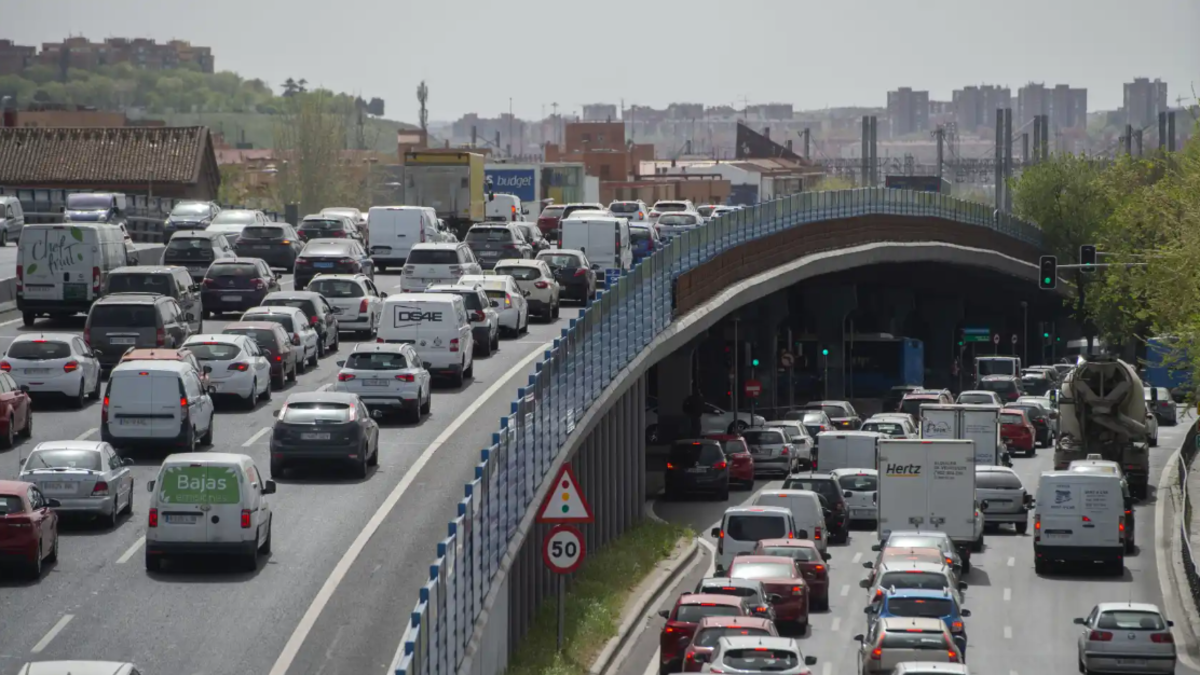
[
  {"x": 327, "y": 386},
  {"x": 132, "y": 550},
  {"x": 9, "y": 323},
  {"x": 845, "y": 590},
  {"x": 712, "y": 551},
  {"x": 296, "y": 641},
  {"x": 49, "y": 637},
  {"x": 1008, "y": 632},
  {"x": 857, "y": 558},
  {"x": 652, "y": 669},
  {"x": 1008, "y": 595},
  {"x": 827, "y": 668},
  {"x": 257, "y": 435},
  {"x": 87, "y": 433},
  {"x": 837, "y": 623},
  {"x": 1012, "y": 561},
  {"x": 1012, "y": 672}
]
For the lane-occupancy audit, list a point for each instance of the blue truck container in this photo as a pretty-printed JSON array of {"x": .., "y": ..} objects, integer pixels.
[
  {"x": 1161, "y": 367},
  {"x": 874, "y": 364}
]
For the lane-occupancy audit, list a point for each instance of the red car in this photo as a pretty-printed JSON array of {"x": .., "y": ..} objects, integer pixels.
[
  {"x": 549, "y": 219},
  {"x": 683, "y": 619},
  {"x": 741, "y": 462},
  {"x": 1017, "y": 433},
  {"x": 782, "y": 576},
  {"x": 809, "y": 559},
  {"x": 28, "y": 526},
  {"x": 716, "y": 627},
  {"x": 16, "y": 415}
]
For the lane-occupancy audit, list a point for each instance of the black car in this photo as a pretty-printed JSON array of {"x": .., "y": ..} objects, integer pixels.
[
  {"x": 492, "y": 242},
  {"x": 315, "y": 426},
  {"x": 173, "y": 282},
  {"x": 574, "y": 274},
  {"x": 276, "y": 345},
  {"x": 236, "y": 285},
  {"x": 328, "y": 227},
  {"x": 837, "y": 517},
  {"x": 331, "y": 256},
  {"x": 119, "y": 322},
  {"x": 196, "y": 250},
  {"x": 317, "y": 309},
  {"x": 189, "y": 216},
  {"x": 533, "y": 236},
  {"x": 697, "y": 465},
  {"x": 276, "y": 243},
  {"x": 841, "y": 413}
]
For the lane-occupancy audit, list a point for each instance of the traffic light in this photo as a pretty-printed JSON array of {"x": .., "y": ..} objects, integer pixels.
[
  {"x": 824, "y": 352},
  {"x": 1048, "y": 272},
  {"x": 754, "y": 362},
  {"x": 1087, "y": 257}
]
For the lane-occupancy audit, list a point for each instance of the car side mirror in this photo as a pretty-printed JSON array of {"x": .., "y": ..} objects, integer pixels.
[
  {"x": 715, "y": 532},
  {"x": 126, "y": 461},
  {"x": 495, "y": 303},
  {"x": 149, "y": 486},
  {"x": 962, "y": 585},
  {"x": 810, "y": 660},
  {"x": 206, "y": 370},
  {"x": 983, "y": 505},
  {"x": 858, "y": 638},
  {"x": 269, "y": 489},
  {"x": 1079, "y": 621},
  {"x": 1170, "y": 624},
  {"x": 296, "y": 340},
  {"x": 274, "y": 413},
  {"x": 53, "y": 503},
  {"x": 211, "y": 390},
  {"x": 827, "y": 557},
  {"x": 774, "y": 598},
  {"x": 382, "y": 294},
  {"x": 341, "y": 364},
  {"x": 966, "y": 613},
  {"x": 869, "y": 565},
  {"x": 595, "y": 267},
  {"x": 876, "y": 547},
  {"x": 664, "y": 613},
  {"x": 426, "y": 365}
]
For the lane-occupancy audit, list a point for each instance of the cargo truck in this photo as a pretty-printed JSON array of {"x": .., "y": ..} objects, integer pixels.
[
  {"x": 930, "y": 485},
  {"x": 979, "y": 423},
  {"x": 847, "y": 450},
  {"x": 452, "y": 183}
]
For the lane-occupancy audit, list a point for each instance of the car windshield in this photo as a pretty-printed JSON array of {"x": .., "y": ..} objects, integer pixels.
[
  {"x": 889, "y": 428},
  {"x": 695, "y": 613},
  {"x": 242, "y": 217},
  {"x": 315, "y": 412},
  {"x": 336, "y": 288},
  {"x": 520, "y": 273},
  {"x": 915, "y": 640},
  {"x": 479, "y": 235},
  {"x": 38, "y": 350},
  {"x": 85, "y": 202},
  {"x": 284, "y": 320},
  {"x": 755, "y": 528},
  {"x": 560, "y": 260},
  {"x": 1130, "y": 620},
  {"x": 262, "y": 232},
  {"x": 708, "y": 637},
  {"x": 432, "y": 256},
  {"x": 677, "y": 219},
  {"x": 761, "y": 659},
  {"x": 188, "y": 244},
  {"x": 140, "y": 283},
  {"x": 64, "y": 459},
  {"x": 769, "y": 437},
  {"x": 976, "y": 399},
  {"x": 854, "y": 483},
  {"x": 928, "y": 608},
  {"x": 1030, "y": 411},
  {"x": 213, "y": 351},
  {"x": 998, "y": 480},
  {"x": 262, "y": 337},
  {"x": 706, "y": 211},
  {"x": 800, "y": 553},
  {"x": 376, "y": 361},
  {"x": 1012, "y": 419},
  {"x": 190, "y": 210},
  {"x": 246, "y": 270},
  {"x": 913, "y": 579},
  {"x": 813, "y": 418},
  {"x": 115, "y": 316}
]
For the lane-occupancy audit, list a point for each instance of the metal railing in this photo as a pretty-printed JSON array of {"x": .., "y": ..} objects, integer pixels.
[
  {"x": 1186, "y": 455},
  {"x": 572, "y": 375}
]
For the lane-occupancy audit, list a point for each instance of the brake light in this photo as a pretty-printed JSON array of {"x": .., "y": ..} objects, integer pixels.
[
  {"x": 454, "y": 345},
  {"x": 278, "y": 357},
  {"x": 240, "y": 367},
  {"x": 5, "y": 366},
  {"x": 817, "y": 534},
  {"x": 876, "y": 654},
  {"x": 1100, "y": 636},
  {"x": 1163, "y": 638},
  {"x": 345, "y": 377},
  {"x": 362, "y": 306},
  {"x": 70, "y": 366},
  {"x": 819, "y": 568},
  {"x": 245, "y": 519},
  {"x": 478, "y": 315},
  {"x": 406, "y": 378},
  {"x": 347, "y": 261},
  {"x": 183, "y": 402},
  {"x": 207, "y": 282},
  {"x": 295, "y": 338},
  {"x": 303, "y": 261},
  {"x": 104, "y": 411},
  {"x": 953, "y": 655},
  {"x": 580, "y": 272},
  {"x": 100, "y": 490},
  {"x": 797, "y": 590},
  {"x": 314, "y": 321},
  {"x": 410, "y": 269},
  {"x": 379, "y": 340},
  {"x": 720, "y": 465},
  {"x": 670, "y": 466},
  {"x": 541, "y": 284},
  {"x": 1086, "y": 519},
  {"x": 956, "y": 627},
  {"x": 152, "y": 521},
  {"x": 160, "y": 337},
  {"x": 96, "y": 281},
  {"x": 258, "y": 285},
  {"x": 20, "y": 278}
]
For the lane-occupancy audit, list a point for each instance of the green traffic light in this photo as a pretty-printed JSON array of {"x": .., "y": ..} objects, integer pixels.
[
  {"x": 1045, "y": 335},
  {"x": 1047, "y": 280},
  {"x": 1058, "y": 339},
  {"x": 754, "y": 362},
  {"x": 824, "y": 352},
  {"x": 960, "y": 343}
]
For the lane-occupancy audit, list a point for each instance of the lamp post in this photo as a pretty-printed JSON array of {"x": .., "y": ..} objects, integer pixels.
[{"x": 1025, "y": 333}]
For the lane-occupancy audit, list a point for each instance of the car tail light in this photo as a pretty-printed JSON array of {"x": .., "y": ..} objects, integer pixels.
[
  {"x": 580, "y": 272},
  {"x": 454, "y": 345},
  {"x": 160, "y": 337},
  {"x": 339, "y": 233},
  {"x": 1121, "y": 527},
  {"x": 784, "y": 452},
  {"x": 1100, "y": 636},
  {"x": 478, "y": 315},
  {"x": 817, "y": 533},
  {"x": 345, "y": 377},
  {"x": 240, "y": 367},
  {"x": 362, "y": 306},
  {"x": 347, "y": 261},
  {"x": 507, "y": 300},
  {"x": 819, "y": 568},
  {"x": 96, "y": 281},
  {"x": 208, "y": 282},
  {"x": 410, "y": 269},
  {"x": 245, "y": 519},
  {"x": 259, "y": 285},
  {"x": 956, "y": 627},
  {"x": 720, "y": 465},
  {"x": 303, "y": 261},
  {"x": 70, "y": 366},
  {"x": 952, "y": 654},
  {"x": 840, "y": 506},
  {"x": 379, "y": 340},
  {"x": 20, "y": 278},
  {"x": 876, "y": 654},
  {"x": 183, "y": 402},
  {"x": 5, "y": 366},
  {"x": 295, "y": 338},
  {"x": 152, "y": 521},
  {"x": 314, "y": 321},
  {"x": 278, "y": 357},
  {"x": 104, "y": 411},
  {"x": 541, "y": 284},
  {"x": 797, "y": 590},
  {"x": 1163, "y": 638},
  {"x": 406, "y": 378},
  {"x": 100, "y": 489}
]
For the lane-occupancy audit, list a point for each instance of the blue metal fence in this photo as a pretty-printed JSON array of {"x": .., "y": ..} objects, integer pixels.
[{"x": 571, "y": 376}]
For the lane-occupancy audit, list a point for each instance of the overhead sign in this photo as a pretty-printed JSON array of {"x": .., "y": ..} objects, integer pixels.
[
  {"x": 975, "y": 338},
  {"x": 564, "y": 504},
  {"x": 519, "y": 182},
  {"x": 563, "y": 549},
  {"x": 752, "y": 388},
  {"x": 977, "y": 331}
]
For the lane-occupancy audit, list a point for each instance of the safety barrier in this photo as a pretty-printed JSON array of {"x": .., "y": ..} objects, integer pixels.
[
  {"x": 1186, "y": 455},
  {"x": 571, "y": 377}
]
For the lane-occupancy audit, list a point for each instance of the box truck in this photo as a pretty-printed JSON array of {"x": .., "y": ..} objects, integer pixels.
[
  {"x": 930, "y": 485},
  {"x": 979, "y": 423},
  {"x": 847, "y": 450}
]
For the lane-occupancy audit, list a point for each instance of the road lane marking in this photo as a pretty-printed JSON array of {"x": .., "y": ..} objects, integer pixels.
[
  {"x": 652, "y": 669},
  {"x": 9, "y": 323},
  {"x": 712, "y": 550},
  {"x": 254, "y": 439},
  {"x": 1008, "y": 632},
  {"x": 837, "y": 623},
  {"x": 49, "y": 637},
  {"x": 324, "y": 387},
  {"x": 845, "y": 590},
  {"x": 296, "y": 641},
  {"x": 85, "y": 434},
  {"x": 857, "y": 558},
  {"x": 1012, "y": 561},
  {"x": 132, "y": 550},
  {"x": 827, "y": 668},
  {"x": 1007, "y": 594}
]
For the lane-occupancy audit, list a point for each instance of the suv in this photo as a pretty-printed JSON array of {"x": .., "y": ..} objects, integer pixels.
[
  {"x": 549, "y": 218},
  {"x": 276, "y": 346},
  {"x": 573, "y": 272},
  {"x": 123, "y": 321},
  {"x": 196, "y": 250},
  {"x": 485, "y": 320},
  {"x": 429, "y": 264},
  {"x": 826, "y": 485},
  {"x": 173, "y": 282},
  {"x": 1007, "y": 387},
  {"x": 318, "y": 310},
  {"x": 536, "y": 280},
  {"x": 237, "y": 284},
  {"x": 661, "y": 207},
  {"x": 494, "y": 241},
  {"x": 189, "y": 216},
  {"x": 328, "y": 227},
  {"x": 276, "y": 243}
]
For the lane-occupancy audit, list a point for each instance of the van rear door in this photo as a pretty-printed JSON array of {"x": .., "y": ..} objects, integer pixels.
[
  {"x": 145, "y": 404},
  {"x": 57, "y": 263},
  {"x": 223, "y": 490},
  {"x": 183, "y": 503}
]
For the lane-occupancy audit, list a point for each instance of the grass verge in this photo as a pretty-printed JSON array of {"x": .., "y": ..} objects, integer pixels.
[{"x": 594, "y": 602}]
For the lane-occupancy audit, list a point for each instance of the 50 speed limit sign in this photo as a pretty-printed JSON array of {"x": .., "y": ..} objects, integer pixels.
[{"x": 563, "y": 549}]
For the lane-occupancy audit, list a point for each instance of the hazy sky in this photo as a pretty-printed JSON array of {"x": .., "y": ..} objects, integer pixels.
[{"x": 476, "y": 54}]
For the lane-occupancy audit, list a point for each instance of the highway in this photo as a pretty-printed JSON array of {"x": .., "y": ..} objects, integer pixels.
[
  {"x": 330, "y": 598},
  {"x": 1021, "y": 623}
]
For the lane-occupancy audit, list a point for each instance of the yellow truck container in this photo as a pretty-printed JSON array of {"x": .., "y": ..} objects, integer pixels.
[{"x": 452, "y": 183}]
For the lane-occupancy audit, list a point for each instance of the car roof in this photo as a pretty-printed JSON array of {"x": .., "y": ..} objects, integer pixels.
[
  {"x": 559, "y": 251},
  {"x": 93, "y": 446},
  {"x": 1128, "y": 606},
  {"x": 923, "y": 667},
  {"x": 812, "y": 475},
  {"x": 757, "y": 511},
  {"x": 919, "y": 533},
  {"x": 155, "y": 365},
  {"x": 738, "y": 621},
  {"x": 992, "y": 378},
  {"x": 1086, "y": 476},
  {"x": 378, "y": 348},
  {"x": 993, "y": 469},
  {"x": 708, "y": 599},
  {"x": 985, "y": 392},
  {"x": 357, "y": 276},
  {"x": 245, "y": 260},
  {"x": 152, "y": 354},
  {"x": 920, "y": 623},
  {"x": 854, "y": 472},
  {"x": 125, "y": 269},
  {"x": 452, "y": 288},
  {"x": 197, "y": 234},
  {"x": 765, "y": 641},
  {"x": 851, "y": 433},
  {"x": 780, "y": 542},
  {"x": 436, "y": 246},
  {"x": 518, "y": 262},
  {"x": 130, "y": 299},
  {"x": 218, "y": 458},
  {"x": 48, "y": 337},
  {"x": 322, "y": 397}
]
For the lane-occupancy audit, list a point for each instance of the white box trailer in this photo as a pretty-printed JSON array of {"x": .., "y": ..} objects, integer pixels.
[
  {"x": 930, "y": 485},
  {"x": 847, "y": 450},
  {"x": 979, "y": 423}
]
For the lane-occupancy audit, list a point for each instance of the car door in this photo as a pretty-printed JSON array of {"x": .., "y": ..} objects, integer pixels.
[
  {"x": 118, "y": 475},
  {"x": 199, "y": 403},
  {"x": 45, "y": 520},
  {"x": 87, "y": 361},
  {"x": 15, "y": 401},
  {"x": 327, "y": 316},
  {"x": 258, "y": 361},
  {"x": 180, "y": 324}
]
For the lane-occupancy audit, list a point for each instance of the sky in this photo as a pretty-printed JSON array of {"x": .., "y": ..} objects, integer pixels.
[{"x": 477, "y": 55}]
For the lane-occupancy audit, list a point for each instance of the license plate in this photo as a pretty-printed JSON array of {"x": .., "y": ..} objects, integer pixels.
[
  {"x": 1132, "y": 662},
  {"x": 37, "y": 371},
  {"x": 182, "y": 519},
  {"x": 231, "y": 298},
  {"x": 124, "y": 341},
  {"x": 323, "y": 266},
  {"x": 864, "y": 513},
  {"x": 58, "y": 487},
  {"x": 491, "y": 254},
  {"x": 382, "y": 249},
  {"x": 375, "y": 383},
  {"x": 261, "y": 247},
  {"x": 75, "y": 291},
  {"x": 133, "y": 422},
  {"x": 312, "y": 436},
  {"x": 697, "y": 469},
  {"x": 1057, "y": 535}
]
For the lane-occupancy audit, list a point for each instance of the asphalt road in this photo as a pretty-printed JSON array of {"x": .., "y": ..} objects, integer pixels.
[
  {"x": 98, "y": 601},
  {"x": 1021, "y": 623}
]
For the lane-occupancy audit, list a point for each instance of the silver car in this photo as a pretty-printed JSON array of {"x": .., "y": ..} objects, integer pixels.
[
  {"x": 925, "y": 539},
  {"x": 86, "y": 477},
  {"x": 771, "y": 451},
  {"x": 751, "y": 590},
  {"x": 930, "y": 668},
  {"x": 1007, "y": 501},
  {"x": 78, "y": 668},
  {"x": 759, "y": 654},
  {"x": 1126, "y": 637},
  {"x": 802, "y": 444},
  {"x": 894, "y": 640}
]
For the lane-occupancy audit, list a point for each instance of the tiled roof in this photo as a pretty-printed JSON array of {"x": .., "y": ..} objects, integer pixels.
[{"x": 98, "y": 156}]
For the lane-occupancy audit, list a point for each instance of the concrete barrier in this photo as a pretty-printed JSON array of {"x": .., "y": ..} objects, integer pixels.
[{"x": 145, "y": 254}]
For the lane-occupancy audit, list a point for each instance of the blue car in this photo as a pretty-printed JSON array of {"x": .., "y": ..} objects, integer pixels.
[
  {"x": 923, "y": 603},
  {"x": 644, "y": 240}
]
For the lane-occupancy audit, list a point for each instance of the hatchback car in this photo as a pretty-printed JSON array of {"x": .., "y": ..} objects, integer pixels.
[
  {"x": 1017, "y": 432},
  {"x": 1039, "y": 417},
  {"x": 275, "y": 344},
  {"x": 741, "y": 462},
  {"x": 54, "y": 363},
  {"x": 811, "y": 561},
  {"x": 573, "y": 271},
  {"x": 896, "y": 427},
  {"x": 815, "y": 421},
  {"x": 771, "y": 451},
  {"x": 237, "y": 366},
  {"x": 314, "y": 426},
  {"x": 331, "y": 256},
  {"x": 832, "y": 497},
  {"x": 712, "y": 629},
  {"x": 388, "y": 378},
  {"x": 356, "y": 301},
  {"x": 485, "y": 320},
  {"x": 236, "y": 284},
  {"x": 1159, "y": 401},
  {"x": 493, "y": 242},
  {"x": 278, "y": 244},
  {"x": 671, "y": 225},
  {"x": 782, "y": 577},
  {"x": 28, "y": 525},
  {"x": 924, "y": 603},
  {"x": 751, "y": 590},
  {"x": 1126, "y": 637},
  {"x": 173, "y": 282},
  {"x": 87, "y": 478},
  {"x": 318, "y": 310},
  {"x": 894, "y": 640},
  {"x": 744, "y": 654},
  {"x": 549, "y": 218},
  {"x": 1007, "y": 387},
  {"x": 512, "y": 307},
  {"x": 979, "y": 397},
  {"x": 189, "y": 215},
  {"x": 697, "y": 466},
  {"x": 430, "y": 264},
  {"x": 535, "y": 279},
  {"x": 196, "y": 250},
  {"x": 295, "y": 324},
  {"x": 322, "y": 226},
  {"x": 925, "y": 539},
  {"x": 800, "y": 444},
  {"x": 123, "y": 321},
  {"x": 684, "y": 618},
  {"x": 861, "y": 490},
  {"x": 841, "y": 413},
  {"x": 636, "y": 211},
  {"x": 1007, "y": 501}
]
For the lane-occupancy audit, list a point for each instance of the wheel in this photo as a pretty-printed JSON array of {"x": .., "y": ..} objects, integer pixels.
[
  {"x": 373, "y": 459},
  {"x": 110, "y": 519},
  {"x": 81, "y": 399},
  {"x": 457, "y": 379},
  {"x": 486, "y": 350},
  {"x": 53, "y": 557},
  {"x": 266, "y": 395},
  {"x": 1022, "y": 528},
  {"x": 313, "y": 361},
  {"x": 27, "y": 318},
  {"x": 27, "y": 432},
  {"x": 278, "y": 468},
  {"x": 723, "y": 495},
  {"x": 277, "y": 381},
  {"x": 95, "y": 395},
  {"x": 252, "y": 399},
  {"x": 206, "y": 314},
  {"x": 1154, "y": 442},
  {"x": 4, "y": 237},
  {"x": 129, "y": 504},
  {"x": 427, "y": 404},
  {"x": 470, "y": 370},
  {"x": 292, "y": 376},
  {"x": 302, "y": 366},
  {"x": 1082, "y": 668},
  {"x": 7, "y": 439},
  {"x": 250, "y": 560},
  {"x": 1041, "y": 566},
  {"x": 557, "y": 308},
  {"x": 977, "y": 545},
  {"x": 35, "y": 567},
  {"x": 265, "y": 547},
  {"x": 320, "y": 348},
  {"x": 802, "y": 627},
  {"x": 496, "y": 342},
  {"x": 207, "y": 438},
  {"x": 153, "y": 562},
  {"x": 336, "y": 342},
  {"x": 1116, "y": 567},
  {"x": 966, "y": 565},
  {"x": 360, "y": 468},
  {"x": 383, "y": 268},
  {"x": 737, "y": 427}
]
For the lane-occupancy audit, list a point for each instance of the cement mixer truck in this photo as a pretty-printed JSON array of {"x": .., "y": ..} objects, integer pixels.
[{"x": 1102, "y": 410}]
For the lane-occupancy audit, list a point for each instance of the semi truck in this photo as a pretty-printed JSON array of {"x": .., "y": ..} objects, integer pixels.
[
  {"x": 1102, "y": 410},
  {"x": 979, "y": 423},
  {"x": 452, "y": 183}
]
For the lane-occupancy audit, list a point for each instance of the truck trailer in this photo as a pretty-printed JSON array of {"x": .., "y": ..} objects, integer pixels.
[
  {"x": 979, "y": 423},
  {"x": 452, "y": 183}
]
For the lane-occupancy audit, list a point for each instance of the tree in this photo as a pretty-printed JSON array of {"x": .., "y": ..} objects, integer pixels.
[
  {"x": 290, "y": 88},
  {"x": 310, "y": 140}
]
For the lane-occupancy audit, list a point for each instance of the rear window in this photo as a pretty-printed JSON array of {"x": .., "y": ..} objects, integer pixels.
[
  {"x": 262, "y": 233},
  {"x": 976, "y": 399},
  {"x": 38, "y": 350},
  {"x": 1003, "y": 386},
  {"x": 213, "y": 351},
  {"x": 624, "y": 207},
  {"x": 813, "y": 419},
  {"x": 884, "y": 428},
  {"x": 906, "y": 640},
  {"x": 322, "y": 226},
  {"x": 912, "y": 579},
  {"x": 284, "y": 320},
  {"x": 1130, "y": 620},
  {"x": 553, "y": 211},
  {"x": 233, "y": 270},
  {"x": 801, "y": 553},
  {"x": 695, "y": 613},
  {"x": 761, "y": 658},
  {"x": 198, "y": 209},
  {"x": 560, "y": 260},
  {"x": 639, "y": 234},
  {"x": 1011, "y": 419},
  {"x": 496, "y": 295},
  {"x": 316, "y": 412},
  {"x": 141, "y": 282},
  {"x": 706, "y": 211},
  {"x": 697, "y": 452},
  {"x": 328, "y": 249},
  {"x": 760, "y": 570},
  {"x": 664, "y": 207},
  {"x": 733, "y": 447},
  {"x": 13, "y": 504},
  {"x": 859, "y": 483},
  {"x": 520, "y": 273},
  {"x": 376, "y": 361},
  {"x": 301, "y": 304},
  {"x": 827, "y": 489},
  {"x": 432, "y": 256},
  {"x": 477, "y": 235},
  {"x": 912, "y": 406},
  {"x": 188, "y": 244},
  {"x": 770, "y": 437},
  {"x": 123, "y": 316},
  {"x": 927, "y": 608},
  {"x": 680, "y": 219},
  {"x": 997, "y": 480},
  {"x": 263, "y": 338},
  {"x": 708, "y": 637},
  {"x": 64, "y": 459},
  {"x": 755, "y": 528},
  {"x": 996, "y": 367},
  {"x": 336, "y": 288},
  {"x": 835, "y": 411}
]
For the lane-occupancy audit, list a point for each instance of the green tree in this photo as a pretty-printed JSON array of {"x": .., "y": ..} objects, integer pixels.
[{"x": 310, "y": 140}]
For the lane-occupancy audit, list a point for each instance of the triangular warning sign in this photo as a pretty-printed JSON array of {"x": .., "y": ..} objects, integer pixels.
[{"x": 565, "y": 503}]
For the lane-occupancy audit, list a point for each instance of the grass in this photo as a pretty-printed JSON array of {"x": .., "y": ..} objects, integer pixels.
[
  {"x": 260, "y": 129},
  {"x": 594, "y": 602}
]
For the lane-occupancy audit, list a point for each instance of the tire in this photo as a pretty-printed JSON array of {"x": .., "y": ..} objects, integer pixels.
[
  {"x": 1041, "y": 567},
  {"x": 495, "y": 343},
  {"x": 427, "y": 405},
  {"x": 320, "y": 348},
  {"x": 4, "y": 237},
  {"x": 250, "y": 560},
  {"x": 966, "y": 566},
  {"x": 110, "y": 519},
  {"x": 266, "y": 395},
  {"x": 458, "y": 379},
  {"x": 977, "y": 545},
  {"x": 1116, "y": 567},
  {"x": 35, "y": 567},
  {"x": 486, "y": 350},
  {"x": 373, "y": 459},
  {"x": 265, "y": 548},
  {"x": 27, "y": 318},
  {"x": 1154, "y": 442},
  {"x": 95, "y": 395},
  {"x": 81, "y": 399},
  {"x": 360, "y": 469},
  {"x": 723, "y": 495},
  {"x": 278, "y": 468},
  {"x": 337, "y": 342},
  {"x": 207, "y": 439},
  {"x": 652, "y": 435},
  {"x": 7, "y": 440},
  {"x": 252, "y": 400},
  {"x": 53, "y": 557},
  {"x": 302, "y": 366},
  {"x": 313, "y": 361},
  {"x": 129, "y": 505},
  {"x": 557, "y": 309},
  {"x": 1022, "y": 528},
  {"x": 277, "y": 381},
  {"x": 292, "y": 376},
  {"x": 470, "y": 370}
]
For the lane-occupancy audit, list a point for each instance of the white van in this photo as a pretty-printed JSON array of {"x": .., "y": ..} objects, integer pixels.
[
  {"x": 436, "y": 324},
  {"x": 742, "y": 527},
  {"x": 12, "y": 219},
  {"x": 1079, "y": 518},
  {"x": 806, "y": 510},
  {"x": 62, "y": 268},
  {"x": 153, "y": 403},
  {"x": 395, "y": 229},
  {"x": 848, "y": 450},
  {"x": 504, "y": 208},
  {"x": 604, "y": 239},
  {"x": 208, "y": 503}
]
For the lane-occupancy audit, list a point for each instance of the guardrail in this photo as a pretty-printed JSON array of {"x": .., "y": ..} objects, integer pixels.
[
  {"x": 485, "y": 535},
  {"x": 1186, "y": 455}
]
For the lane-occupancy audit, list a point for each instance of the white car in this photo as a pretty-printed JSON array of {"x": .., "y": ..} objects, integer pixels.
[
  {"x": 671, "y": 225},
  {"x": 231, "y": 230},
  {"x": 758, "y": 654},
  {"x": 513, "y": 307},
  {"x": 158, "y": 404},
  {"x": 295, "y": 323},
  {"x": 387, "y": 378},
  {"x": 239, "y": 367},
  {"x": 355, "y": 299},
  {"x": 442, "y": 263},
  {"x": 979, "y": 397},
  {"x": 636, "y": 211},
  {"x": 485, "y": 321},
  {"x": 537, "y": 281},
  {"x": 881, "y": 423},
  {"x": 1126, "y": 637},
  {"x": 58, "y": 363},
  {"x": 672, "y": 206},
  {"x": 86, "y": 477},
  {"x": 713, "y": 421},
  {"x": 860, "y": 488}
]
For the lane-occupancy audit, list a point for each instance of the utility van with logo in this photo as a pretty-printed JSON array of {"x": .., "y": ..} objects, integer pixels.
[
  {"x": 979, "y": 423},
  {"x": 61, "y": 268},
  {"x": 1079, "y": 517},
  {"x": 208, "y": 503},
  {"x": 504, "y": 208},
  {"x": 437, "y": 325}
]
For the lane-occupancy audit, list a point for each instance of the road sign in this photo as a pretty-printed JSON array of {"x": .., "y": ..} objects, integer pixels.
[
  {"x": 563, "y": 549},
  {"x": 564, "y": 503},
  {"x": 977, "y": 331},
  {"x": 995, "y": 339},
  {"x": 752, "y": 388},
  {"x": 975, "y": 338},
  {"x": 1014, "y": 339},
  {"x": 611, "y": 277}
]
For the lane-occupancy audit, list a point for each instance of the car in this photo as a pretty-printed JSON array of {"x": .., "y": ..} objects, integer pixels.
[
  {"x": 808, "y": 510},
  {"x": 123, "y": 321},
  {"x": 672, "y": 206},
  {"x": 832, "y": 498},
  {"x": 275, "y": 344},
  {"x": 684, "y": 618},
  {"x": 491, "y": 242},
  {"x": 841, "y": 413},
  {"x": 1159, "y": 401},
  {"x": 895, "y": 425},
  {"x": 1152, "y": 429},
  {"x": 298, "y": 328},
  {"x": 438, "y": 327},
  {"x": 78, "y": 668},
  {"x": 189, "y": 215},
  {"x": 87, "y": 478},
  {"x": 387, "y": 378},
  {"x": 1037, "y": 416},
  {"x": 1148, "y": 645},
  {"x": 912, "y": 402},
  {"x": 324, "y": 226},
  {"x": 742, "y": 527},
  {"x": 861, "y": 491},
  {"x": 236, "y": 284},
  {"x": 713, "y": 628},
  {"x": 895, "y": 395},
  {"x": 319, "y": 312},
  {"x": 771, "y": 450},
  {"x": 238, "y": 367},
  {"x": 53, "y": 363},
  {"x": 1037, "y": 383},
  {"x": 549, "y": 218},
  {"x": 924, "y": 603},
  {"x": 925, "y": 539},
  {"x": 324, "y": 425},
  {"x": 431, "y": 264},
  {"x": 535, "y": 279},
  {"x": 574, "y": 273},
  {"x": 355, "y": 299},
  {"x": 713, "y": 420},
  {"x": 743, "y": 654},
  {"x": 1017, "y": 433},
  {"x": 58, "y": 285},
  {"x": 800, "y": 443},
  {"x": 16, "y": 412},
  {"x": 979, "y": 397},
  {"x": 752, "y": 591},
  {"x": 533, "y": 236},
  {"x": 741, "y": 462},
  {"x": 30, "y": 526},
  {"x": 1050, "y": 408},
  {"x": 156, "y": 404},
  {"x": 196, "y": 250},
  {"x": 644, "y": 240},
  {"x": 396, "y": 229},
  {"x": 811, "y": 561},
  {"x": 706, "y": 210},
  {"x": 893, "y": 556},
  {"x": 636, "y": 210},
  {"x": 815, "y": 421},
  {"x": 570, "y": 210},
  {"x": 168, "y": 355},
  {"x": 671, "y": 225},
  {"x": 223, "y": 492},
  {"x": 1094, "y": 464},
  {"x": 231, "y": 231},
  {"x": 782, "y": 577},
  {"x": 697, "y": 465},
  {"x": 278, "y": 244},
  {"x": 485, "y": 320},
  {"x": 1001, "y": 489},
  {"x": 331, "y": 256},
  {"x": 1007, "y": 387},
  {"x": 894, "y": 640},
  {"x": 356, "y": 216},
  {"x": 174, "y": 282},
  {"x": 512, "y": 306}
]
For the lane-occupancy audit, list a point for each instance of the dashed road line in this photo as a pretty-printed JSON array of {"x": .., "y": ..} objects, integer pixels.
[
  {"x": 86, "y": 434},
  {"x": 254, "y": 439},
  {"x": 1012, "y": 561},
  {"x": 837, "y": 623},
  {"x": 857, "y": 557},
  {"x": 49, "y": 637},
  {"x": 127, "y": 555},
  {"x": 827, "y": 668},
  {"x": 1008, "y": 632},
  {"x": 845, "y": 590},
  {"x": 1008, "y": 595}
]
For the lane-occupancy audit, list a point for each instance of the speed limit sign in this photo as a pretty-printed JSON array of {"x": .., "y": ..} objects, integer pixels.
[{"x": 563, "y": 549}]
